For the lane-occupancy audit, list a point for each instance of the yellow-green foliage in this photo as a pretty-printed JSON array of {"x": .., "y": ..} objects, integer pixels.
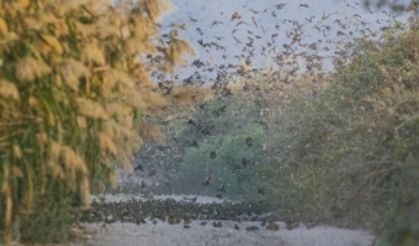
[
  {"x": 349, "y": 154},
  {"x": 72, "y": 86}
]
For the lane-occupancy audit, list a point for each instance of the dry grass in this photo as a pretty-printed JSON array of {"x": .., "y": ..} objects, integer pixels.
[{"x": 71, "y": 89}]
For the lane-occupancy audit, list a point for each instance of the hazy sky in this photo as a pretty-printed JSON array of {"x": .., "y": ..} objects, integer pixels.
[{"x": 211, "y": 21}]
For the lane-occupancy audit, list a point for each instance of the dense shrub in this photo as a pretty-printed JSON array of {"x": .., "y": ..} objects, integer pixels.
[
  {"x": 348, "y": 155},
  {"x": 229, "y": 161},
  {"x": 72, "y": 92}
]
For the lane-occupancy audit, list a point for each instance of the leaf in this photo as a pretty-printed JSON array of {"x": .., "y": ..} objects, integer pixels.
[
  {"x": 3, "y": 27},
  {"x": 91, "y": 109},
  {"x": 17, "y": 172},
  {"x": 8, "y": 90},
  {"x": 53, "y": 43},
  {"x": 28, "y": 69}
]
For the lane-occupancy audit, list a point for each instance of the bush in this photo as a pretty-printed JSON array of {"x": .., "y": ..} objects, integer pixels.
[
  {"x": 72, "y": 92},
  {"x": 230, "y": 161},
  {"x": 345, "y": 155}
]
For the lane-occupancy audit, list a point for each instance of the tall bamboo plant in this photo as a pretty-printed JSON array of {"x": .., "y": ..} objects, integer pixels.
[{"x": 72, "y": 86}]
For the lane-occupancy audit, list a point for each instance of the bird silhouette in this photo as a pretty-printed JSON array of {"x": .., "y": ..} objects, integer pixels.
[{"x": 280, "y": 5}]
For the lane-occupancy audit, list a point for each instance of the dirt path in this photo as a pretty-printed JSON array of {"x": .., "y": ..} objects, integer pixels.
[
  {"x": 220, "y": 233},
  {"x": 163, "y": 234}
]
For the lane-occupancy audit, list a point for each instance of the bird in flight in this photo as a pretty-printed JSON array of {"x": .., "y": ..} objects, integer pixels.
[{"x": 280, "y": 6}]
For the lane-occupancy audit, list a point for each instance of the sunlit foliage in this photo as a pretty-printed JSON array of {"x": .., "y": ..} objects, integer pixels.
[{"x": 73, "y": 88}]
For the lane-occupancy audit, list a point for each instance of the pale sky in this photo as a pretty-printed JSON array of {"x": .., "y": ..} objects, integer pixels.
[{"x": 264, "y": 18}]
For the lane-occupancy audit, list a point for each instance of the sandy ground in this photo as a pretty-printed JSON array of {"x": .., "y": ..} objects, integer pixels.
[{"x": 164, "y": 234}]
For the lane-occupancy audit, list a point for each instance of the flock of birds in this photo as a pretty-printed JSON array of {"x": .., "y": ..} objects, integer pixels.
[
  {"x": 184, "y": 212},
  {"x": 311, "y": 45},
  {"x": 303, "y": 45},
  {"x": 299, "y": 45}
]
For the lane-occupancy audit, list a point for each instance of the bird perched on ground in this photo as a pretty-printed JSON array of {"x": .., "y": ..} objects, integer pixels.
[{"x": 139, "y": 167}]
